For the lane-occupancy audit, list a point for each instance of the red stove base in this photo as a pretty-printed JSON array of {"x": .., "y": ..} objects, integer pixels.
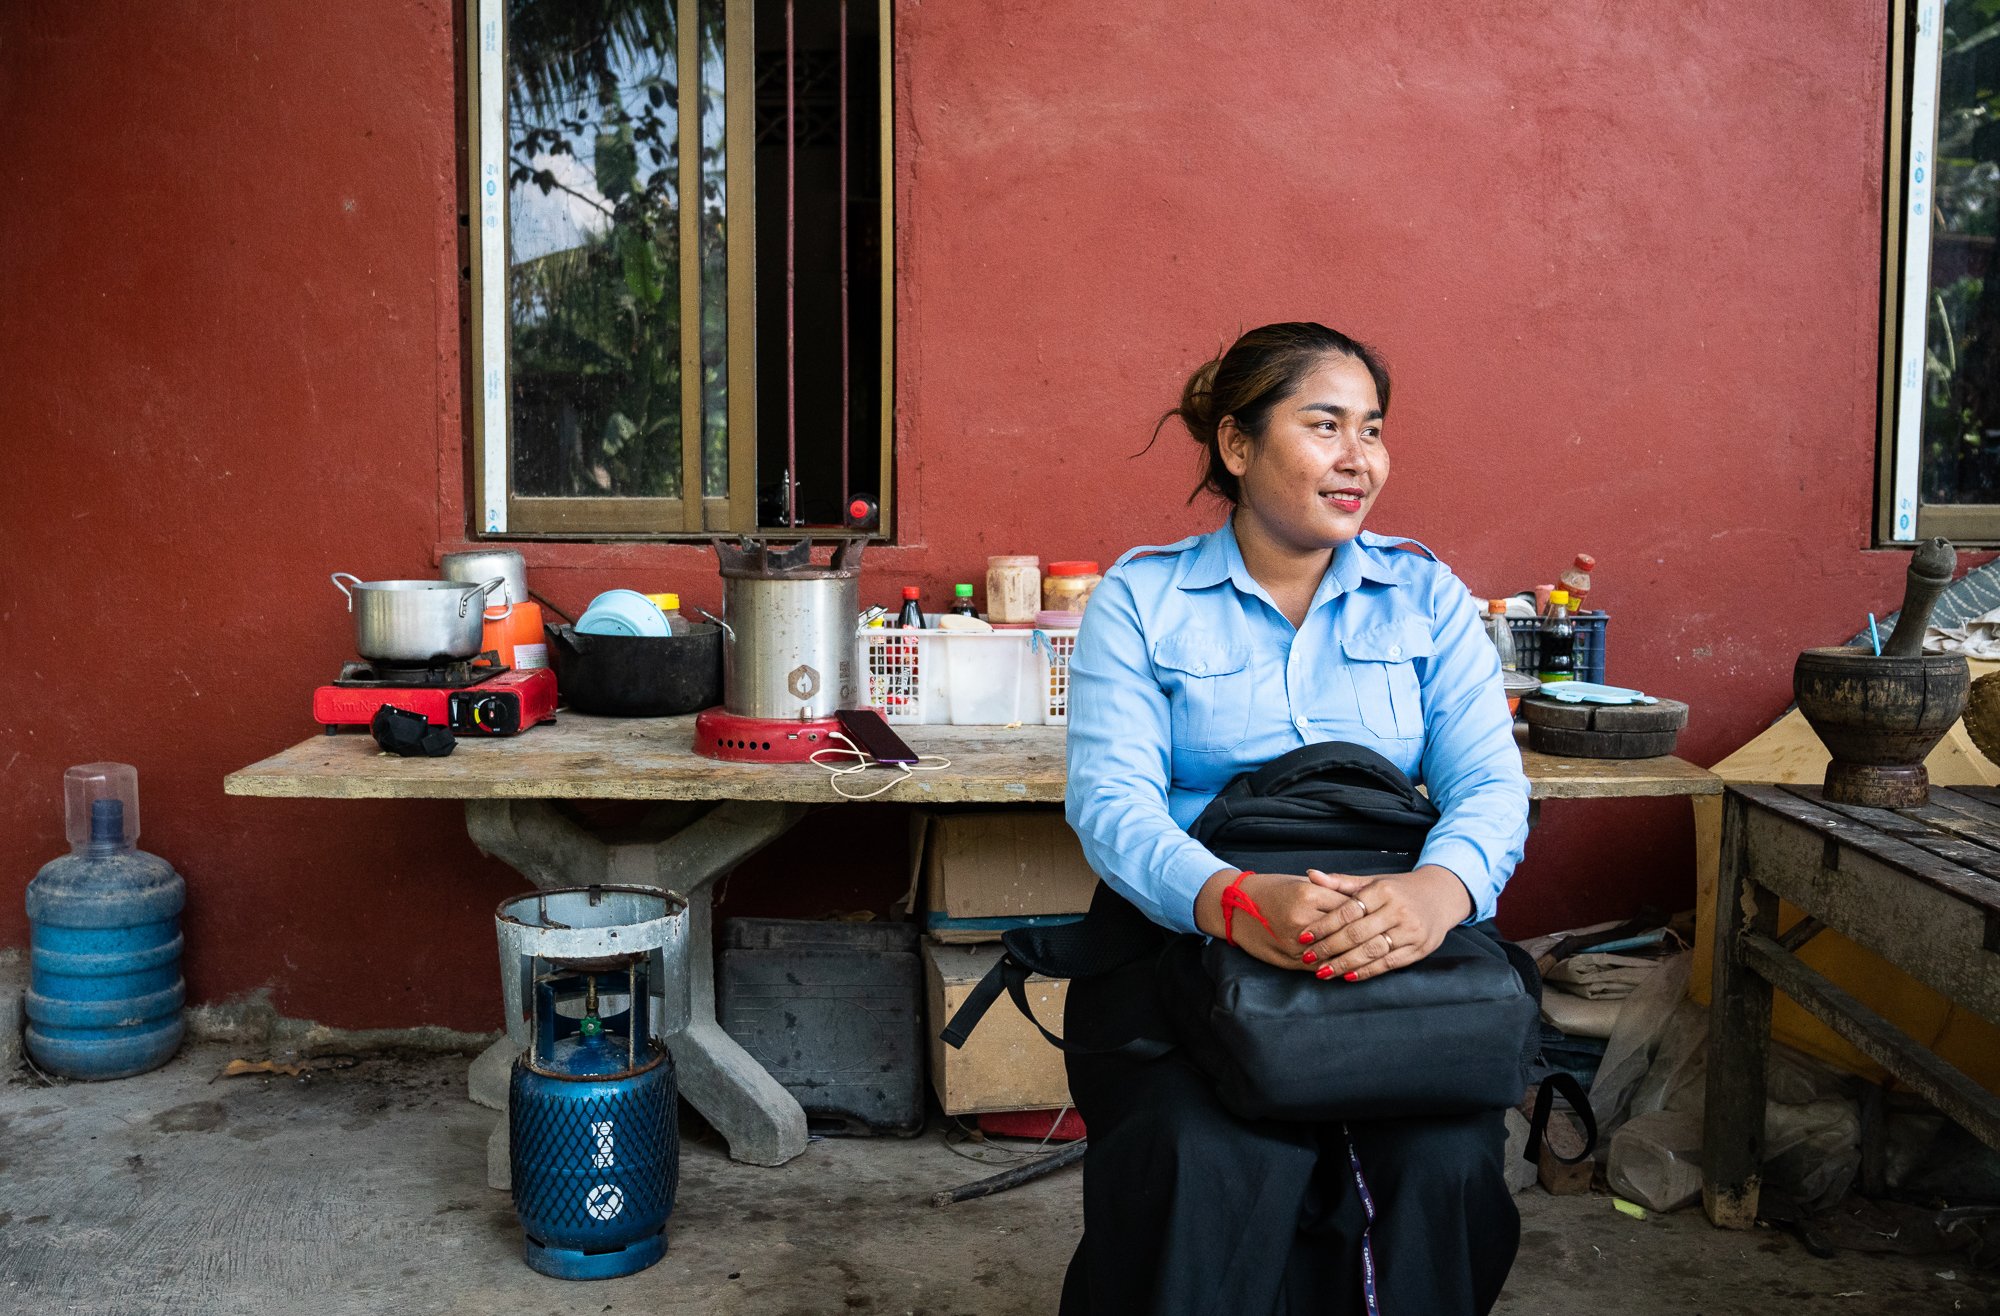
[
  {"x": 501, "y": 705},
  {"x": 719, "y": 734}
]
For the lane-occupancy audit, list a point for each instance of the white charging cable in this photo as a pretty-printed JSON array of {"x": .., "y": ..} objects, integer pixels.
[{"x": 924, "y": 763}]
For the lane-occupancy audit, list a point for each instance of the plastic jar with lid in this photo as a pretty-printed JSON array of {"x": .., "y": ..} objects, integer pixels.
[
  {"x": 1013, "y": 590},
  {"x": 1068, "y": 585}
]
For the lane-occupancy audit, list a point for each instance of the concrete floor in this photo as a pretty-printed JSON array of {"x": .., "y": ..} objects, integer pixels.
[{"x": 362, "y": 1191}]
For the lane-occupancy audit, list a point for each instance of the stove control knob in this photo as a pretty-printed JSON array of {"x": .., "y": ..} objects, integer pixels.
[{"x": 494, "y": 715}]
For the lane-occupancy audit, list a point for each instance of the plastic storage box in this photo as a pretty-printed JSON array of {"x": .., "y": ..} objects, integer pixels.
[
  {"x": 967, "y": 678},
  {"x": 1589, "y": 643},
  {"x": 835, "y": 1011}
]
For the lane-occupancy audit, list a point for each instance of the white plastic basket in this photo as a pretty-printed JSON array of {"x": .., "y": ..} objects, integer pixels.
[{"x": 966, "y": 678}]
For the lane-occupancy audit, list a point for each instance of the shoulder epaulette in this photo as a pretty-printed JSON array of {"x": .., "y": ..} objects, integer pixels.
[
  {"x": 1400, "y": 544},
  {"x": 1157, "y": 550}
]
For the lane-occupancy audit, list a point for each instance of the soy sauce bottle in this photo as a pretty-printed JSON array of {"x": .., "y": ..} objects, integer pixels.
[
  {"x": 961, "y": 601},
  {"x": 912, "y": 615},
  {"x": 1558, "y": 648}
]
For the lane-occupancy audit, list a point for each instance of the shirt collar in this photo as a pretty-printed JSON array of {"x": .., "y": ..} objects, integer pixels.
[{"x": 1219, "y": 558}]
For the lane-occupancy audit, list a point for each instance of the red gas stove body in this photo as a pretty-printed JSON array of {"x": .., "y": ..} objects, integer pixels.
[
  {"x": 720, "y": 734},
  {"x": 485, "y": 701}
]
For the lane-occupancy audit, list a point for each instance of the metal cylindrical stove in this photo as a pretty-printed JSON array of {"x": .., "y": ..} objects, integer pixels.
[
  {"x": 788, "y": 639},
  {"x": 593, "y": 1143},
  {"x": 587, "y": 923}
]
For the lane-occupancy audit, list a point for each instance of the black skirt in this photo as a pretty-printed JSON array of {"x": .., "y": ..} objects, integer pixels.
[{"x": 1189, "y": 1210}]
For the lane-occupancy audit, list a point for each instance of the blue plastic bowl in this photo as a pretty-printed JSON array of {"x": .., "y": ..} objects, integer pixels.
[{"x": 622, "y": 612}]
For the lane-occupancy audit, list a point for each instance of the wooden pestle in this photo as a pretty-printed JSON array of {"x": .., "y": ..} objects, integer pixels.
[{"x": 1930, "y": 571}]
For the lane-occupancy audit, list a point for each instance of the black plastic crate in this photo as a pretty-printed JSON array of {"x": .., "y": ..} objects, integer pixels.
[
  {"x": 835, "y": 1011},
  {"x": 1589, "y": 644}
]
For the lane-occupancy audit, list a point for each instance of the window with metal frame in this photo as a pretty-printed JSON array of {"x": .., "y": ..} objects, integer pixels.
[
  {"x": 682, "y": 311},
  {"x": 1940, "y": 408}
]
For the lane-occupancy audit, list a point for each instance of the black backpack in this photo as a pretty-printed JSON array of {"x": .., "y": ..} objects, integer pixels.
[{"x": 1456, "y": 1032}]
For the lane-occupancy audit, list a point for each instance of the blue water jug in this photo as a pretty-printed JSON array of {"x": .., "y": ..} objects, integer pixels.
[
  {"x": 104, "y": 932},
  {"x": 591, "y": 1112}
]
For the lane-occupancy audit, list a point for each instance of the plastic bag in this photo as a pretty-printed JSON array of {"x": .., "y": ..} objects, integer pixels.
[
  {"x": 1812, "y": 1152},
  {"x": 1634, "y": 1039},
  {"x": 1656, "y": 1160},
  {"x": 1678, "y": 1076}
]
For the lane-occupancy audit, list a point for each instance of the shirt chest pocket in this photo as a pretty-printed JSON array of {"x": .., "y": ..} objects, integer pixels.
[
  {"x": 1381, "y": 665},
  {"x": 1209, "y": 688}
]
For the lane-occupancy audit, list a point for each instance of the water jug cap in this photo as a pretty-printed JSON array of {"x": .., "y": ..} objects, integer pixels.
[{"x": 101, "y": 806}]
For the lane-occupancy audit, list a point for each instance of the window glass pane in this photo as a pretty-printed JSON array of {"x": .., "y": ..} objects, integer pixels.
[
  {"x": 714, "y": 257},
  {"x": 820, "y": 256},
  {"x": 593, "y": 288},
  {"x": 1961, "y": 450}
]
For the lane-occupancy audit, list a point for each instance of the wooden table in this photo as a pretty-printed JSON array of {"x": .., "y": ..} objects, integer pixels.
[
  {"x": 608, "y": 758},
  {"x": 1919, "y": 887},
  {"x": 710, "y": 815}
]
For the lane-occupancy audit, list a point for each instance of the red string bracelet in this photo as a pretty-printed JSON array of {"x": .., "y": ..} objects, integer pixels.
[{"x": 1234, "y": 899}]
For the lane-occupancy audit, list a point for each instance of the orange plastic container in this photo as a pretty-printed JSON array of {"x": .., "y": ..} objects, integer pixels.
[{"x": 517, "y": 636}]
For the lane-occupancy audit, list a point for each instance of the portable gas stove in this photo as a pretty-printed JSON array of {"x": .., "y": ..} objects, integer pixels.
[
  {"x": 721, "y": 734},
  {"x": 477, "y": 697}
]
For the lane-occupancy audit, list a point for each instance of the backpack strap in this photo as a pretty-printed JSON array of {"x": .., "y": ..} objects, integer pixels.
[
  {"x": 1011, "y": 975},
  {"x": 1551, "y": 1082},
  {"x": 1112, "y": 935},
  {"x": 1554, "y": 1083}
]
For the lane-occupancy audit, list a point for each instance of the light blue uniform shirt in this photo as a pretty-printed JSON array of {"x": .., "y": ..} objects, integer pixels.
[{"x": 1186, "y": 674}]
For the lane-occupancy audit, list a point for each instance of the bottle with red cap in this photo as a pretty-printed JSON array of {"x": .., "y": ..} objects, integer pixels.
[
  {"x": 912, "y": 615},
  {"x": 862, "y": 512},
  {"x": 1576, "y": 581}
]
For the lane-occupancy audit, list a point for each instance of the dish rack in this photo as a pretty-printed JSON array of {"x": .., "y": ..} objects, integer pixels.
[{"x": 966, "y": 678}]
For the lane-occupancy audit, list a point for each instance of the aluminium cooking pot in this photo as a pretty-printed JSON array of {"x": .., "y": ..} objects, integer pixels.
[
  {"x": 788, "y": 629},
  {"x": 416, "y": 623},
  {"x": 638, "y": 675}
]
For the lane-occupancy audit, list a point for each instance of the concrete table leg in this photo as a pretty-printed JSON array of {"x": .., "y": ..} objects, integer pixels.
[{"x": 762, "y": 1121}]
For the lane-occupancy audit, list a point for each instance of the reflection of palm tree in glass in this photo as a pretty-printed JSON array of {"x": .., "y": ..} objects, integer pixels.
[{"x": 594, "y": 277}]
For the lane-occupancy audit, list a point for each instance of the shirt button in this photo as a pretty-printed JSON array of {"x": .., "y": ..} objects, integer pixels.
[{"x": 1395, "y": 651}]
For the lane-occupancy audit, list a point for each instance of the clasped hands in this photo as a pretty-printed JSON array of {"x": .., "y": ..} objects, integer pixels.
[{"x": 1338, "y": 925}]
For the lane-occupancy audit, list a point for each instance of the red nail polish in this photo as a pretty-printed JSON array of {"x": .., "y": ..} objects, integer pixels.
[
  {"x": 1323, "y": 972},
  {"x": 1305, "y": 939},
  {"x": 1310, "y": 957},
  {"x": 1350, "y": 977}
]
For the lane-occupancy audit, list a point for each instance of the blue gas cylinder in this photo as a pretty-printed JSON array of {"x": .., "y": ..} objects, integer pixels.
[
  {"x": 593, "y": 1140},
  {"x": 104, "y": 989}
]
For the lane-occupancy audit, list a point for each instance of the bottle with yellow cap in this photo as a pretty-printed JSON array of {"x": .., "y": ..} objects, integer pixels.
[
  {"x": 1558, "y": 649},
  {"x": 671, "y": 605}
]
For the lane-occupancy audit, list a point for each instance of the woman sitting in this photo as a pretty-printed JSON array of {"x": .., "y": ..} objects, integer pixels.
[{"x": 1199, "y": 661}]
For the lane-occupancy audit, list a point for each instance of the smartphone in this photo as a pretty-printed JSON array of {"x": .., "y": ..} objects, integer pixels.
[{"x": 873, "y": 737}]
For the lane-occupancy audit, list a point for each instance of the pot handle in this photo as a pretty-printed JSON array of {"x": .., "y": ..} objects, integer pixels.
[
  {"x": 339, "y": 576},
  {"x": 506, "y": 609},
  {"x": 727, "y": 629}
]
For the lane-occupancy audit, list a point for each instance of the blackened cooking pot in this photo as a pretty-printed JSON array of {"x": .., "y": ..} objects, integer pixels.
[{"x": 638, "y": 675}]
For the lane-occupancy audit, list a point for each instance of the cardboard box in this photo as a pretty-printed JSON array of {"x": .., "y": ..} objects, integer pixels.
[
  {"x": 994, "y": 866},
  {"x": 1006, "y": 1064}
]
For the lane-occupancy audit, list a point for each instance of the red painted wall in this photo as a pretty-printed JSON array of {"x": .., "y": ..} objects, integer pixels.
[{"x": 1624, "y": 265}]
